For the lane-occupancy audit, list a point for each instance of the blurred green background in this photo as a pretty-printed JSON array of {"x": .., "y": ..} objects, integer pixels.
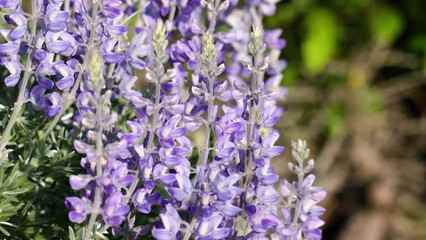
[{"x": 357, "y": 92}]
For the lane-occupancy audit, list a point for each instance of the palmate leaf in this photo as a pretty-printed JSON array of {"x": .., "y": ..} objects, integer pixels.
[{"x": 13, "y": 183}]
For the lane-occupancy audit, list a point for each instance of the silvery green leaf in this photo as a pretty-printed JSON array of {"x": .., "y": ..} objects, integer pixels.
[
  {"x": 71, "y": 234},
  {"x": 4, "y": 231},
  {"x": 51, "y": 153}
]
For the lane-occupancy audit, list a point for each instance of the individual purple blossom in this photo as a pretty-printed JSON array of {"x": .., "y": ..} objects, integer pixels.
[
  {"x": 108, "y": 54},
  {"x": 79, "y": 182},
  {"x": 225, "y": 193},
  {"x": 261, "y": 218},
  {"x": 115, "y": 175},
  {"x": 55, "y": 19},
  {"x": 212, "y": 227},
  {"x": 114, "y": 212},
  {"x": 55, "y": 104},
  {"x": 186, "y": 52},
  {"x": 143, "y": 199},
  {"x": 113, "y": 13},
  {"x": 183, "y": 189},
  {"x": 137, "y": 50},
  {"x": 170, "y": 220},
  {"x": 62, "y": 43},
  {"x": 15, "y": 72},
  {"x": 79, "y": 209}
]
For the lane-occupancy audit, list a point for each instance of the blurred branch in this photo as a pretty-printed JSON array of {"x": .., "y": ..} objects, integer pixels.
[{"x": 404, "y": 82}]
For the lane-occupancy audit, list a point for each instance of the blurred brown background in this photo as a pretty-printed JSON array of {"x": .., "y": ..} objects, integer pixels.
[{"x": 357, "y": 92}]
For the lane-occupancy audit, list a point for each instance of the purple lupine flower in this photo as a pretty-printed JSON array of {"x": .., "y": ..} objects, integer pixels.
[
  {"x": 9, "y": 3},
  {"x": 186, "y": 52},
  {"x": 15, "y": 71},
  {"x": 225, "y": 191},
  {"x": 55, "y": 104},
  {"x": 107, "y": 48},
  {"x": 266, "y": 7},
  {"x": 143, "y": 200},
  {"x": 229, "y": 192},
  {"x": 213, "y": 227},
  {"x": 113, "y": 13},
  {"x": 115, "y": 175},
  {"x": 170, "y": 220},
  {"x": 261, "y": 218},
  {"x": 62, "y": 43},
  {"x": 55, "y": 19},
  {"x": 302, "y": 198},
  {"x": 114, "y": 212},
  {"x": 137, "y": 50},
  {"x": 9, "y": 51},
  {"x": 79, "y": 182},
  {"x": 184, "y": 188},
  {"x": 79, "y": 209},
  {"x": 268, "y": 149},
  {"x": 66, "y": 76}
]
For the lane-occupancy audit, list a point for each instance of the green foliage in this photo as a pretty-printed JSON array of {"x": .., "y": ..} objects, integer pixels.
[
  {"x": 320, "y": 42},
  {"x": 386, "y": 24},
  {"x": 34, "y": 176},
  {"x": 330, "y": 45},
  {"x": 13, "y": 184}
]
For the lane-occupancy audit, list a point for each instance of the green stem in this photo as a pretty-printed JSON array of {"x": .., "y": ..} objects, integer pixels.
[
  {"x": 99, "y": 160},
  {"x": 150, "y": 146},
  {"x": 253, "y": 111},
  {"x": 300, "y": 177},
  {"x": 150, "y": 140}
]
